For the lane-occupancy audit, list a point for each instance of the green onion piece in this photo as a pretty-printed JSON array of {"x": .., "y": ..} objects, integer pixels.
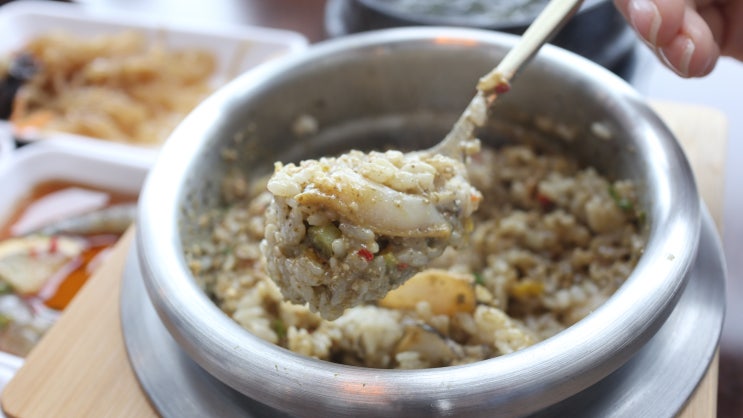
[
  {"x": 621, "y": 201},
  {"x": 279, "y": 328},
  {"x": 641, "y": 217},
  {"x": 5, "y": 288},
  {"x": 5, "y": 320},
  {"x": 389, "y": 260},
  {"x": 321, "y": 238},
  {"x": 479, "y": 279}
]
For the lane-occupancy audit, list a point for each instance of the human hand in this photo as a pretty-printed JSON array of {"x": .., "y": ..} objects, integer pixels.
[{"x": 688, "y": 35}]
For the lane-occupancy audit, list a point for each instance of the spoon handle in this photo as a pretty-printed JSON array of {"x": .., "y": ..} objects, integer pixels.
[
  {"x": 549, "y": 21},
  {"x": 541, "y": 30}
]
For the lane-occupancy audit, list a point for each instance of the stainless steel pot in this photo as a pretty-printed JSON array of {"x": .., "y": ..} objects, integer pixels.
[{"x": 404, "y": 88}]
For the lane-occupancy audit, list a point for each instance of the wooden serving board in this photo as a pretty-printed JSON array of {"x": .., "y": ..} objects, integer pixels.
[{"x": 81, "y": 369}]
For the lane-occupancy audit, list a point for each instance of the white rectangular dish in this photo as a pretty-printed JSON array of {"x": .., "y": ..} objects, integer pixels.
[
  {"x": 236, "y": 48},
  {"x": 97, "y": 164},
  {"x": 108, "y": 166}
]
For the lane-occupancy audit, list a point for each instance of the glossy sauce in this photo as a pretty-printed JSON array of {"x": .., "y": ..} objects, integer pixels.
[{"x": 60, "y": 290}]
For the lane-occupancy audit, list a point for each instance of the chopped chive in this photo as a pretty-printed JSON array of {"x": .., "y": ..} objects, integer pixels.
[
  {"x": 479, "y": 279},
  {"x": 322, "y": 237},
  {"x": 622, "y": 202},
  {"x": 279, "y": 328},
  {"x": 5, "y": 288},
  {"x": 5, "y": 320}
]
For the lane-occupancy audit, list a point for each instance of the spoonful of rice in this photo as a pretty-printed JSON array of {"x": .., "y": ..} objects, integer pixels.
[{"x": 341, "y": 231}]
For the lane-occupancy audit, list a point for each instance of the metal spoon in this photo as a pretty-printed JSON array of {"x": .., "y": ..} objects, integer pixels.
[
  {"x": 437, "y": 214},
  {"x": 498, "y": 81}
]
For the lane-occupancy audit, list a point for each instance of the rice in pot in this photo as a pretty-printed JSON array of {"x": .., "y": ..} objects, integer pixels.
[
  {"x": 551, "y": 242},
  {"x": 343, "y": 231}
]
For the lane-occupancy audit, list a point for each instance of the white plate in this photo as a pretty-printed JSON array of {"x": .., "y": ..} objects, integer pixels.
[
  {"x": 237, "y": 48},
  {"x": 87, "y": 162}
]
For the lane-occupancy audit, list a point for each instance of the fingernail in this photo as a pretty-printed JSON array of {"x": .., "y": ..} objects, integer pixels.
[
  {"x": 640, "y": 9},
  {"x": 688, "y": 51},
  {"x": 662, "y": 55},
  {"x": 710, "y": 64},
  {"x": 689, "y": 48}
]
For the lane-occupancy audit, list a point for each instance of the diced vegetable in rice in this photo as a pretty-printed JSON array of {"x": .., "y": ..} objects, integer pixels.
[
  {"x": 344, "y": 231},
  {"x": 551, "y": 242}
]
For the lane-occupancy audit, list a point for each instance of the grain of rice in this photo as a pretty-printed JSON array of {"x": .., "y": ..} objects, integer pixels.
[{"x": 536, "y": 269}]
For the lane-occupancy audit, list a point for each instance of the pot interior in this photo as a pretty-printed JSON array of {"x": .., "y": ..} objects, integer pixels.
[
  {"x": 407, "y": 97},
  {"x": 404, "y": 89}
]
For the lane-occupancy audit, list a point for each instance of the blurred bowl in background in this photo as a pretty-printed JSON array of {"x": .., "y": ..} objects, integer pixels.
[
  {"x": 232, "y": 49},
  {"x": 597, "y": 32}
]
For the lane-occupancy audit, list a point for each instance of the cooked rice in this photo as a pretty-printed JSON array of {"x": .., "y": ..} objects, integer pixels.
[
  {"x": 552, "y": 241},
  {"x": 343, "y": 231}
]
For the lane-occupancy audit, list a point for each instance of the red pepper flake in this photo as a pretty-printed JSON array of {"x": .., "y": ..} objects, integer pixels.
[
  {"x": 502, "y": 87},
  {"x": 366, "y": 254},
  {"x": 402, "y": 266},
  {"x": 545, "y": 201},
  {"x": 53, "y": 244}
]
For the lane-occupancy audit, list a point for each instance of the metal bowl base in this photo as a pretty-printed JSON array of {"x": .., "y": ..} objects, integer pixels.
[{"x": 651, "y": 384}]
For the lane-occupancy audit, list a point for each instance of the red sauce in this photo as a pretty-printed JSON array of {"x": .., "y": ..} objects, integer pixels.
[
  {"x": 56, "y": 200},
  {"x": 58, "y": 292}
]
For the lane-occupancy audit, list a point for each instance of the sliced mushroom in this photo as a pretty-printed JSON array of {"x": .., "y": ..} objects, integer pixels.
[
  {"x": 430, "y": 346},
  {"x": 446, "y": 292}
]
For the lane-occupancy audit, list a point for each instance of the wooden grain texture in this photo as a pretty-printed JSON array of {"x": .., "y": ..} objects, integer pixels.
[
  {"x": 80, "y": 368},
  {"x": 703, "y": 133},
  {"x": 703, "y": 404}
]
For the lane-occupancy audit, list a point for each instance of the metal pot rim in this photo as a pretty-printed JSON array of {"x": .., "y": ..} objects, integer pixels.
[{"x": 565, "y": 364}]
